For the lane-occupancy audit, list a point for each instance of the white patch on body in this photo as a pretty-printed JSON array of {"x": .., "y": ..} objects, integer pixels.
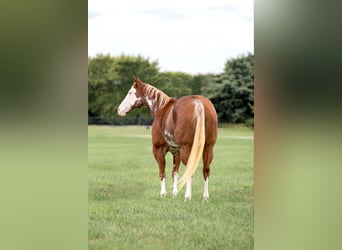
[
  {"x": 163, "y": 188},
  {"x": 128, "y": 102},
  {"x": 170, "y": 139},
  {"x": 150, "y": 103},
  {"x": 206, "y": 190},
  {"x": 175, "y": 187},
  {"x": 188, "y": 190}
]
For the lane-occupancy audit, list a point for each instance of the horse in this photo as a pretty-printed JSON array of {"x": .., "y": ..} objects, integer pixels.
[{"x": 186, "y": 127}]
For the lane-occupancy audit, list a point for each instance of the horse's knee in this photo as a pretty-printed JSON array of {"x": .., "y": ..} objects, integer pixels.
[{"x": 206, "y": 172}]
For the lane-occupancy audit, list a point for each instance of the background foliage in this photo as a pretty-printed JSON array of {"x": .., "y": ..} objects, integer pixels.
[{"x": 109, "y": 78}]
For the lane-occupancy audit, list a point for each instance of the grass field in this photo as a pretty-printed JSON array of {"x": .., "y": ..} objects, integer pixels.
[{"x": 126, "y": 212}]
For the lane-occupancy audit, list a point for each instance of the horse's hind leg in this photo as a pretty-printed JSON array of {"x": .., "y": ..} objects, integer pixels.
[
  {"x": 207, "y": 158},
  {"x": 176, "y": 162},
  {"x": 159, "y": 155},
  {"x": 184, "y": 156}
]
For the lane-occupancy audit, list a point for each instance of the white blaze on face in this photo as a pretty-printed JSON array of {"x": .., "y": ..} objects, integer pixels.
[{"x": 128, "y": 102}]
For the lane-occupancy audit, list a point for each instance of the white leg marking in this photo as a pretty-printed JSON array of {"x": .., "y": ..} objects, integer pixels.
[
  {"x": 175, "y": 188},
  {"x": 162, "y": 188},
  {"x": 206, "y": 190},
  {"x": 188, "y": 190}
]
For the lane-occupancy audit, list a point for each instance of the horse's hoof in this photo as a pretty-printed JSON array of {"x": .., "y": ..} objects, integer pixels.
[
  {"x": 175, "y": 193},
  {"x": 163, "y": 195},
  {"x": 187, "y": 199},
  {"x": 205, "y": 198}
]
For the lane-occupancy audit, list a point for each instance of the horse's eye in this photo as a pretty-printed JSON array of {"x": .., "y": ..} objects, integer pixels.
[{"x": 129, "y": 93}]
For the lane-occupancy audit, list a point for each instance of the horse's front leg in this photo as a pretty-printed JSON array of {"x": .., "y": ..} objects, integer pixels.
[
  {"x": 159, "y": 154},
  {"x": 176, "y": 163}
]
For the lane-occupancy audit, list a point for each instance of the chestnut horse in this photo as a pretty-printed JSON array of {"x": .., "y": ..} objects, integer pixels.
[{"x": 187, "y": 127}]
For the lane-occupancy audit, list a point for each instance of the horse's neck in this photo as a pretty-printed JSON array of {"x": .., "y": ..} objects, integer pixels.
[{"x": 156, "y": 100}]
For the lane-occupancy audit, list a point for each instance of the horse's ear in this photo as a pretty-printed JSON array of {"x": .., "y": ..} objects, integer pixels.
[{"x": 137, "y": 81}]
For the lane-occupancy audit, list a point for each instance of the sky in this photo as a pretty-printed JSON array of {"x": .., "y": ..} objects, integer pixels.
[{"x": 192, "y": 36}]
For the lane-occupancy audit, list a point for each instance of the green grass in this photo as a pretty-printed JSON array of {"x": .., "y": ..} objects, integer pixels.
[{"x": 126, "y": 212}]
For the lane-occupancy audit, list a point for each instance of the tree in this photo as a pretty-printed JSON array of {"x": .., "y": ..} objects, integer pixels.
[
  {"x": 174, "y": 84},
  {"x": 197, "y": 84},
  {"x": 233, "y": 92},
  {"x": 109, "y": 79},
  {"x": 101, "y": 86}
]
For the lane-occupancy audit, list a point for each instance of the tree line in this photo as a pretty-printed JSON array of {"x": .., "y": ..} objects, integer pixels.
[{"x": 110, "y": 77}]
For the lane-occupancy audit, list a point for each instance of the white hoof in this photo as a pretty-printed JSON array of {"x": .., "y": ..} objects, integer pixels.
[
  {"x": 162, "y": 195},
  {"x": 175, "y": 194},
  {"x": 187, "y": 198}
]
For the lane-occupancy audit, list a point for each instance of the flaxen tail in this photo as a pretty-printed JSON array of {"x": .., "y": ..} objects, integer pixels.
[{"x": 197, "y": 145}]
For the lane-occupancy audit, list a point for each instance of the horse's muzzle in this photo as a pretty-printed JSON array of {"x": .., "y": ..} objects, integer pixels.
[{"x": 121, "y": 112}]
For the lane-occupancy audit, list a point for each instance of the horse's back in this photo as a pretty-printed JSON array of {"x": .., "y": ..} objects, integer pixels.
[{"x": 184, "y": 118}]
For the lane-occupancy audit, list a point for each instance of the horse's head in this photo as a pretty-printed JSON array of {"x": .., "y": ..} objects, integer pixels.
[{"x": 134, "y": 98}]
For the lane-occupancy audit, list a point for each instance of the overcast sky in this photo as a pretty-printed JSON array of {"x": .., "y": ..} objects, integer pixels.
[{"x": 193, "y": 36}]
